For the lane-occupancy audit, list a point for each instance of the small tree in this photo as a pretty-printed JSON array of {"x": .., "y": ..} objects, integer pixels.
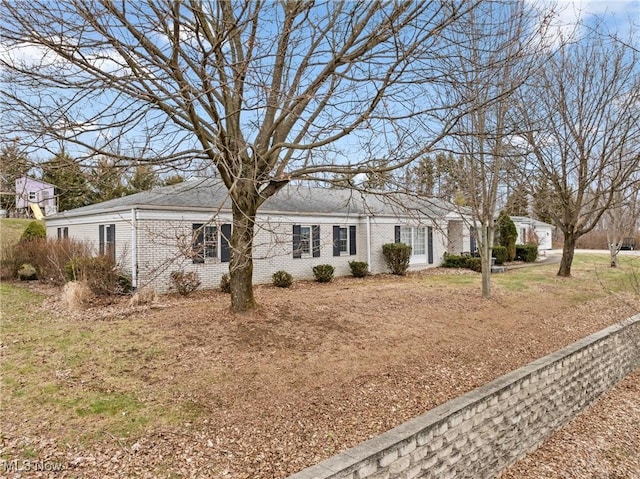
[
  {"x": 34, "y": 230},
  {"x": 507, "y": 234}
]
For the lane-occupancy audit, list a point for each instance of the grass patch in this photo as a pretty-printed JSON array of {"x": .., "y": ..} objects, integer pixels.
[
  {"x": 184, "y": 365},
  {"x": 10, "y": 231}
]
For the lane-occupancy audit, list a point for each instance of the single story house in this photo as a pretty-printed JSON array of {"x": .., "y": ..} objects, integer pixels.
[
  {"x": 187, "y": 227},
  {"x": 31, "y": 192},
  {"x": 533, "y": 231}
]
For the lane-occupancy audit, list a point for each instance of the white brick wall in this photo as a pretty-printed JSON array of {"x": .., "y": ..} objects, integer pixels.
[{"x": 163, "y": 243}]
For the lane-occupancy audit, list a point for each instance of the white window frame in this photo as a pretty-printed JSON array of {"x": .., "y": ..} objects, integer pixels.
[
  {"x": 411, "y": 234},
  {"x": 343, "y": 241},
  {"x": 306, "y": 252}
]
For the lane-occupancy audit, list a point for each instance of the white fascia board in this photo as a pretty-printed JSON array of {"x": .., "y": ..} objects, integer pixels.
[{"x": 122, "y": 215}]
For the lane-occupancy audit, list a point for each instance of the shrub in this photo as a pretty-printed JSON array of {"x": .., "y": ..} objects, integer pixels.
[
  {"x": 359, "y": 269},
  {"x": 58, "y": 253},
  {"x": 48, "y": 256},
  {"x": 527, "y": 253},
  {"x": 323, "y": 273},
  {"x": 185, "y": 283},
  {"x": 27, "y": 272},
  {"x": 100, "y": 273},
  {"x": 474, "y": 264},
  {"x": 462, "y": 261},
  {"x": 76, "y": 295},
  {"x": 396, "y": 257},
  {"x": 500, "y": 254},
  {"x": 282, "y": 279},
  {"x": 455, "y": 261},
  {"x": 34, "y": 230},
  {"x": 143, "y": 297},
  {"x": 225, "y": 283}
]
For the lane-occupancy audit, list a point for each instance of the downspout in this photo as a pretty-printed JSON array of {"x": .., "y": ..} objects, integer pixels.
[
  {"x": 369, "y": 242},
  {"x": 134, "y": 248}
]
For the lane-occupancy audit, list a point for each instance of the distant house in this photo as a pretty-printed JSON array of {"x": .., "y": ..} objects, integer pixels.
[
  {"x": 35, "y": 195},
  {"x": 187, "y": 226},
  {"x": 533, "y": 231}
]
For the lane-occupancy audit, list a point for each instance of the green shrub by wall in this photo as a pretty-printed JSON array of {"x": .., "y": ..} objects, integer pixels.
[
  {"x": 527, "y": 253},
  {"x": 396, "y": 257},
  {"x": 500, "y": 254}
]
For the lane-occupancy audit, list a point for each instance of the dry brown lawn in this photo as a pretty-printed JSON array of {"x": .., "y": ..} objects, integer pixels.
[{"x": 185, "y": 389}]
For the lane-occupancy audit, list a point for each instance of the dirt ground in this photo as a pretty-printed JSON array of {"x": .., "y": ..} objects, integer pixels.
[{"x": 319, "y": 368}]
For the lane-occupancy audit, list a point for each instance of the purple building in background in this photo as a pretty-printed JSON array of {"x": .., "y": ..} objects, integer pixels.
[{"x": 30, "y": 191}]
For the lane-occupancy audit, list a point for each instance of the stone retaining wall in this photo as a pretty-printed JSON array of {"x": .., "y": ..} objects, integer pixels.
[{"x": 480, "y": 433}]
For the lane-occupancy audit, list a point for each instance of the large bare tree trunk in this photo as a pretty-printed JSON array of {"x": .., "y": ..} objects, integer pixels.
[
  {"x": 241, "y": 265},
  {"x": 567, "y": 254}
]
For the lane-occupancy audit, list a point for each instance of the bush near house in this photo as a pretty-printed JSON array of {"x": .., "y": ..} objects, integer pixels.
[
  {"x": 282, "y": 279},
  {"x": 185, "y": 283},
  {"x": 462, "y": 261},
  {"x": 323, "y": 273},
  {"x": 101, "y": 274},
  {"x": 225, "y": 283},
  {"x": 500, "y": 254},
  {"x": 396, "y": 257},
  {"x": 34, "y": 230},
  {"x": 359, "y": 269},
  {"x": 527, "y": 253},
  {"x": 48, "y": 256}
]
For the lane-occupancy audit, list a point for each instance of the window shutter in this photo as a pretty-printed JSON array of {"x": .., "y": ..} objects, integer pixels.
[
  {"x": 297, "y": 252},
  {"x": 430, "y": 244},
  {"x": 101, "y": 240},
  {"x": 397, "y": 234},
  {"x": 336, "y": 241},
  {"x": 225, "y": 236},
  {"x": 315, "y": 240},
  {"x": 111, "y": 241},
  {"x": 352, "y": 240},
  {"x": 197, "y": 243}
]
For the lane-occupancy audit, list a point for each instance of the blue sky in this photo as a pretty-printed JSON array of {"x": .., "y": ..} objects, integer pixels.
[{"x": 618, "y": 15}]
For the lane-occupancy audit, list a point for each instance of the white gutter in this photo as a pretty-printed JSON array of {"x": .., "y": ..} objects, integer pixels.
[
  {"x": 134, "y": 248},
  {"x": 369, "y": 242}
]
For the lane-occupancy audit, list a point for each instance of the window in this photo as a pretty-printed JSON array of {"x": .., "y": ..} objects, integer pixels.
[
  {"x": 32, "y": 196},
  {"x": 344, "y": 240},
  {"x": 306, "y": 241},
  {"x": 63, "y": 232},
  {"x": 210, "y": 242},
  {"x": 107, "y": 240},
  {"x": 419, "y": 246},
  {"x": 420, "y": 240}
]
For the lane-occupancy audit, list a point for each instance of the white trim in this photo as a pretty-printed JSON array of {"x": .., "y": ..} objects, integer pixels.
[
  {"x": 369, "y": 242},
  {"x": 134, "y": 248}
]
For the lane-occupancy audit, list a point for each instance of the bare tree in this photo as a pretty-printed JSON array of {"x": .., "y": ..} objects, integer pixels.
[
  {"x": 266, "y": 92},
  {"x": 622, "y": 219},
  {"x": 497, "y": 47},
  {"x": 583, "y": 116}
]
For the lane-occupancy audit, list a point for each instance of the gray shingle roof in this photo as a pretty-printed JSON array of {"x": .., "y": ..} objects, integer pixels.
[{"x": 211, "y": 195}]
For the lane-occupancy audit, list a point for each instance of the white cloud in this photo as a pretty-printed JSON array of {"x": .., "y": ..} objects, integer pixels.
[{"x": 571, "y": 15}]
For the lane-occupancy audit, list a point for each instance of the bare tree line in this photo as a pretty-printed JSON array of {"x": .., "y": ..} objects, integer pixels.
[{"x": 267, "y": 93}]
